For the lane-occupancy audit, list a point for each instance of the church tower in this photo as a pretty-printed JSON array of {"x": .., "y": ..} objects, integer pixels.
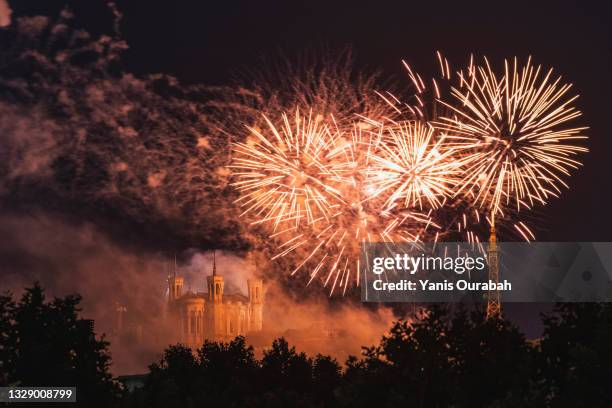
[
  {"x": 215, "y": 284},
  {"x": 255, "y": 304},
  {"x": 175, "y": 291},
  {"x": 175, "y": 287},
  {"x": 216, "y": 315}
]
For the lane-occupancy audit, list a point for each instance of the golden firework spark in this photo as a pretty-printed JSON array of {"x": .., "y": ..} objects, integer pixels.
[
  {"x": 326, "y": 188},
  {"x": 456, "y": 214},
  {"x": 361, "y": 219},
  {"x": 513, "y": 129},
  {"x": 284, "y": 174},
  {"x": 412, "y": 169},
  {"x": 309, "y": 181}
]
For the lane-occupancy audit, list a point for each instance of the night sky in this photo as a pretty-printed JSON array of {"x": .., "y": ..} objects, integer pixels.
[{"x": 208, "y": 42}]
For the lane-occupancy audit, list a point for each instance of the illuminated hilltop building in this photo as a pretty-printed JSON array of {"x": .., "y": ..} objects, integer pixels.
[{"x": 214, "y": 315}]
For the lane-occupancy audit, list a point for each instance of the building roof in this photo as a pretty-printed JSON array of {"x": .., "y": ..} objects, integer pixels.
[
  {"x": 190, "y": 295},
  {"x": 236, "y": 297},
  {"x": 229, "y": 297},
  {"x": 232, "y": 297}
]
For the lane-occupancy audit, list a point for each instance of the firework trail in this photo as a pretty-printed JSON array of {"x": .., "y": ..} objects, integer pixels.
[{"x": 424, "y": 101}]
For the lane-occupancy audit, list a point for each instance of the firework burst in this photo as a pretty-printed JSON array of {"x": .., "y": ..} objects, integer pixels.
[
  {"x": 420, "y": 146},
  {"x": 324, "y": 185},
  {"x": 285, "y": 175},
  {"x": 513, "y": 129},
  {"x": 362, "y": 219},
  {"x": 413, "y": 169},
  {"x": 308, "y": 181}
]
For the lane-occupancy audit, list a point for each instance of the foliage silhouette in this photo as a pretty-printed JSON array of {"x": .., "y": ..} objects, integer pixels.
[
  {"x": 439, "y": 359},
  {"x": 47, "y": 344}
]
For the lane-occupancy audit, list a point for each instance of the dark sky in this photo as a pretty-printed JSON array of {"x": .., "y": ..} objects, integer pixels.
[{"x": 206, "y": 41}]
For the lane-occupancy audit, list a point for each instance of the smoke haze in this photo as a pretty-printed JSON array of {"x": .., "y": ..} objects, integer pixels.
[
  {"x": 107, "y": 181},
  {"x": 80, "y": 259}
]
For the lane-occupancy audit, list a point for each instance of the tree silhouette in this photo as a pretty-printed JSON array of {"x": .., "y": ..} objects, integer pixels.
[
  {"x": 442, "y": 359},
  {"x": 438, "y": 359},
  {"x": 410, "y": 367},
  {"x": 326, "y": 378},
  {"x": 8, "y": 340},
  {"x": 174, "y": 381},
  {"x": 47, "y": 344},
  {"x": 575, "y": 358},
  {"x": 228, "y": 367},
  {"x": 480, "y": 346}
]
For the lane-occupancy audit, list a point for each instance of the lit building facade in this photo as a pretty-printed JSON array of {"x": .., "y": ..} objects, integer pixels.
[{"x": 214, "y": 315}]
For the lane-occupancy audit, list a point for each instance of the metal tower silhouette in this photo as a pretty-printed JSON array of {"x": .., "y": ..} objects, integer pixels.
[{"x": 493, "y": 298}]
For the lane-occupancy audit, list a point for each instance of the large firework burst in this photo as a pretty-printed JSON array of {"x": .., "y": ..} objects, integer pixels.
[
  {"x": 308, "y": 181},
  {"x": 513, "y": 128},
  {"x": 325, "y": 186},
  {"x": 362, "y": 218},
  {"x": 285, "y": 175}
]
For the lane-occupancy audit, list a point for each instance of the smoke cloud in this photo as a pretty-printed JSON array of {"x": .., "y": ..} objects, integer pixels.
[
  {"x": 107, "y": 181},
  {"x": 69, "y": 258}
]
